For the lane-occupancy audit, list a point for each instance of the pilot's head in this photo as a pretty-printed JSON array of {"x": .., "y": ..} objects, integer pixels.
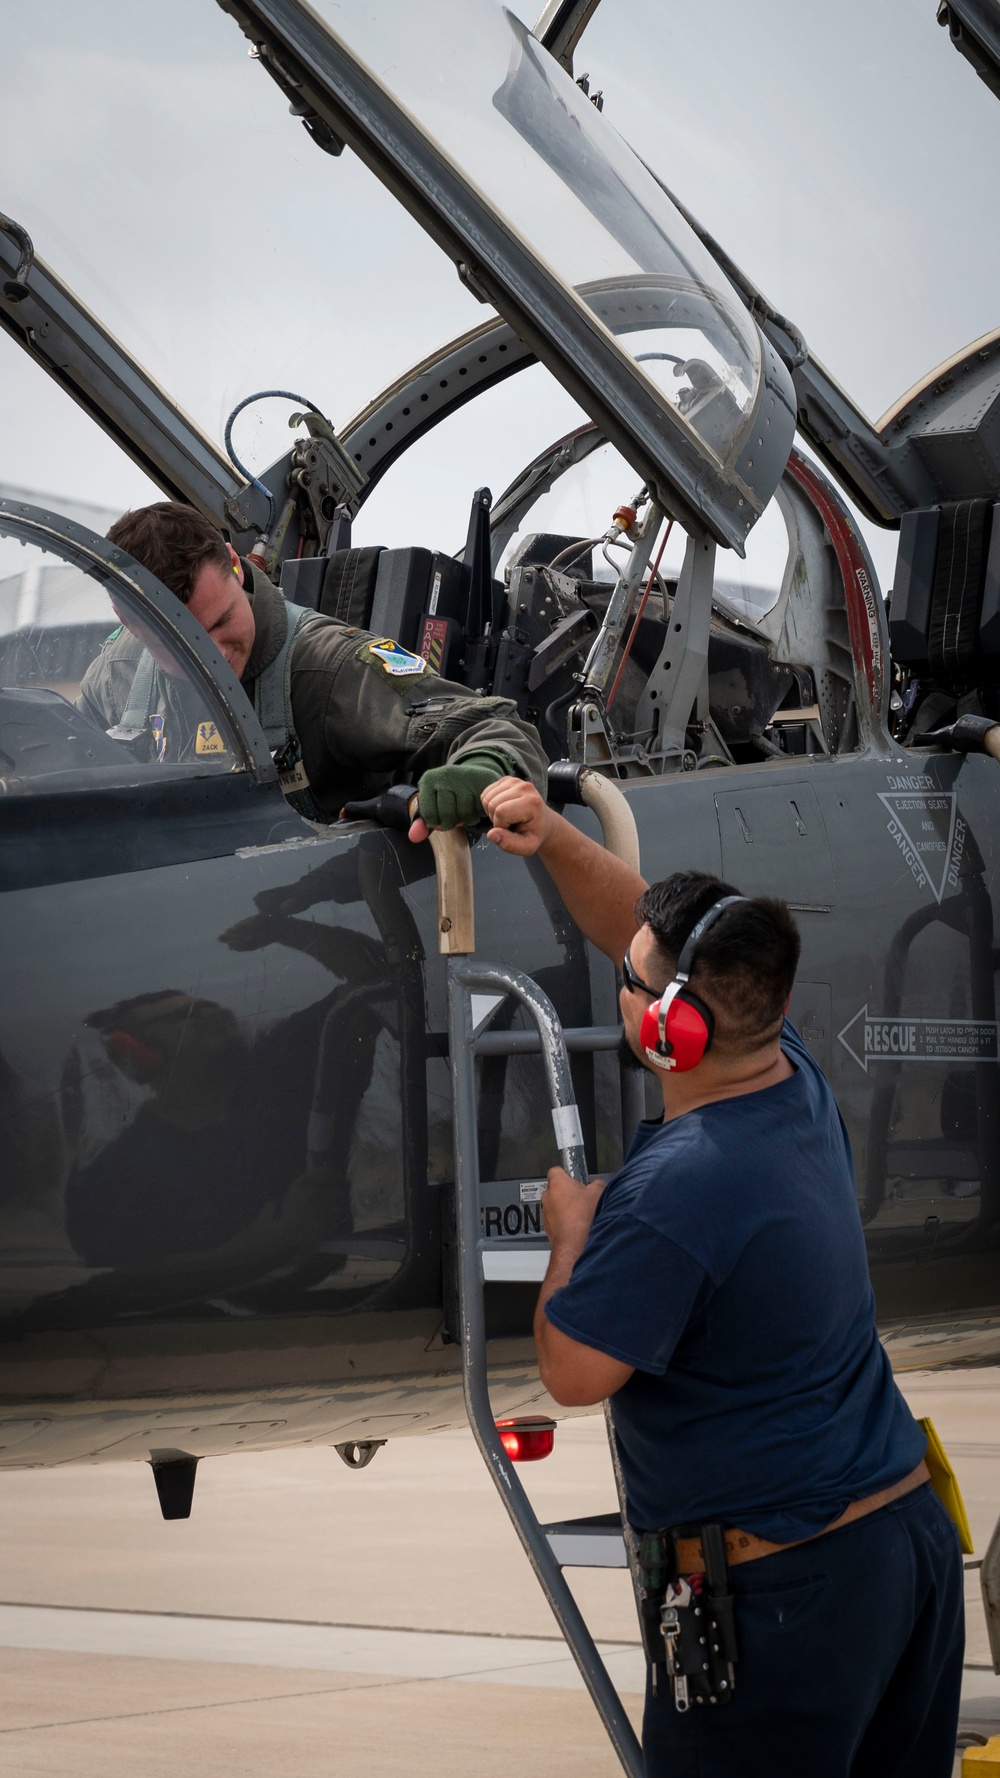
[
  {"x": 186, "y": 552},
  {"x": 739, "y": 986}
]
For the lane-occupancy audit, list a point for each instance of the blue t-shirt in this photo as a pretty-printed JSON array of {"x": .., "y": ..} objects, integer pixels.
[{"x": 726, "y": 1262}]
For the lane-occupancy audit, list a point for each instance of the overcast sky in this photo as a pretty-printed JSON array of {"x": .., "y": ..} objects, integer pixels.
[{"x": 845, "y": 155}]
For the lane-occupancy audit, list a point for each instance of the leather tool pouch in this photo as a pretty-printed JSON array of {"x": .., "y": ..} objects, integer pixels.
[{"x": 688, "y": 1621}]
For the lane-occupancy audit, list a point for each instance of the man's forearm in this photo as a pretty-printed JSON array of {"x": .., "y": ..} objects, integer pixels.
[
  {"x": 544, "y": 1332},
  {"x": 600, "y": 892},
  {"x": 558, "y": 1273}
]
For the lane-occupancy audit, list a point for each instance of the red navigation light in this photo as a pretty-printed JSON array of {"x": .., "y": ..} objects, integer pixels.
[{"x": 526, "y": 1441}]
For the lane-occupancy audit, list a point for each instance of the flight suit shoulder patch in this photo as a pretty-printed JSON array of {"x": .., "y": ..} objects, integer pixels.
[
  {"x": 113, "y": 636},
  {"x": 392, "y": 660}
]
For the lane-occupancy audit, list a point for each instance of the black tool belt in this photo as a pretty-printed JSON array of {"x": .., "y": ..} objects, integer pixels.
[{"x": 688, "y": 1622}]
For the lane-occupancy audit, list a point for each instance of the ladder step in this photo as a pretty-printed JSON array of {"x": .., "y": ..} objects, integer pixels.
[
  {"x": 596, "y": 1542},
  {"x": 579, "y": 1038},
  {"x": 518, "y": 1264}
]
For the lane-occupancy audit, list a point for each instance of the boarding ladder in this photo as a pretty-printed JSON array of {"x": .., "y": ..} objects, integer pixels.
[{"x": 491, "y": 1256}]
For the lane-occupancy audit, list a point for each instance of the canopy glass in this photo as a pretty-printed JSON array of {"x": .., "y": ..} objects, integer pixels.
[
  {"x": 560, "y": 179},
  {"x": 844, "y": 155}
]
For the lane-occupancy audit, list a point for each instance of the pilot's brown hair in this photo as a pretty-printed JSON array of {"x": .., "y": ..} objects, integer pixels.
[{"x": 173, "y": 541}]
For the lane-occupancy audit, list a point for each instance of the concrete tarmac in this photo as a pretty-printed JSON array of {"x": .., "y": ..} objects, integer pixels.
[{"x": 308, "y": 1620}]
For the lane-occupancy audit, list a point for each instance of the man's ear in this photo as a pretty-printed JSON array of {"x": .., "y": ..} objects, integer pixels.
[{"x": 236, "y": 564}]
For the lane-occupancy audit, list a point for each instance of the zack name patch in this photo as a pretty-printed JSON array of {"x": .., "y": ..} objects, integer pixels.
[
  {"x": 392, "y": 660},
  {"x": 208, "y": 739}
]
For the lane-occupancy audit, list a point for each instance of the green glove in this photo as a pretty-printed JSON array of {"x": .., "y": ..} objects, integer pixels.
[{"x": 448, "y": 796}]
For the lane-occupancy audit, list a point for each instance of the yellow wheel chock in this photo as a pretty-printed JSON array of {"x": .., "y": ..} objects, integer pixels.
[{"x": 977, "y": 1762}]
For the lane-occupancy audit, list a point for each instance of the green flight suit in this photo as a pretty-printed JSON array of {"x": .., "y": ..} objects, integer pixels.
[{"x": 366, "y": 714}]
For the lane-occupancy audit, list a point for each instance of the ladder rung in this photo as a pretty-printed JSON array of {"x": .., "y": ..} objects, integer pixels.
[
  {"x": 514, "y": 1265},
  {"x": 595, "y": 1542},
  {"x": 528, "y": 1043}
]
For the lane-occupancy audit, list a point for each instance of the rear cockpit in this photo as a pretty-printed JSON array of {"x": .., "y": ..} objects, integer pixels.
[{"x": 548, "y": 605}]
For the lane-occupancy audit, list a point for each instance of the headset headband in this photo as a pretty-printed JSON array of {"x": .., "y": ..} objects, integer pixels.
[{"x": 685, "y": 961}]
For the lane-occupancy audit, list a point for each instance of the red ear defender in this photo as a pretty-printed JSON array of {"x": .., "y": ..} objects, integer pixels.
[
  {"x": 677, "y": 1029},
  {"x": 687, "y": 1027}
]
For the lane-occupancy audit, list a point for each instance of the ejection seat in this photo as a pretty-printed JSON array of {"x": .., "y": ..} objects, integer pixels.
[
  {"x": 340, "y": 585},
  {"x": 944, "y": 614}
]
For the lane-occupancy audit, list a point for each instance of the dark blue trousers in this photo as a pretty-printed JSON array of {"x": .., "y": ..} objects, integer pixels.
[{"x": 850, "y": 1662}]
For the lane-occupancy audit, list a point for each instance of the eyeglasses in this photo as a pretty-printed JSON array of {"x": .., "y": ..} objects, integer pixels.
[{"x": 633, "y": 981}]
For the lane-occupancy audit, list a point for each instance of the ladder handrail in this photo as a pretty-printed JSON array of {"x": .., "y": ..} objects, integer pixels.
[
  {"x": 463, "y": 976},
  {"x": 456, "y": 941}
]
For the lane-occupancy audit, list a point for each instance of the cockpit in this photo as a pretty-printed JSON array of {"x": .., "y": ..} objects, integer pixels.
[{"x": 648, "y": 567}]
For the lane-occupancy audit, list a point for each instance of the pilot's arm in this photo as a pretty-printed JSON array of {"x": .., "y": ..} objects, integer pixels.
[{"x": 385, "y": 711}]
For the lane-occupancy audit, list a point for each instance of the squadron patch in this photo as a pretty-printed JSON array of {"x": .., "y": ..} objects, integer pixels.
[
  {"x": 208, "y": 739},
  {"x": 391, "y": 659},
  {"x": 159, "y": 739}
]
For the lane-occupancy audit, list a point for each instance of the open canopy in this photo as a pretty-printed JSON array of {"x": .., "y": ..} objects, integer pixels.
[{"x": 550, "y": 216}]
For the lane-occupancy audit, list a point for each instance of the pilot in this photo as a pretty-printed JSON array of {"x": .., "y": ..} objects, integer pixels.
[
  {"x": 716, "y": 1290},
  {"x": 354, "y": 713}
]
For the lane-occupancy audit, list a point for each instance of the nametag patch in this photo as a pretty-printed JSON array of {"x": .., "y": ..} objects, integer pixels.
[
  {"x": 392, "y": 660},
  {"x": 208, "y": 739},
  {"x": 294, "y": 780}
]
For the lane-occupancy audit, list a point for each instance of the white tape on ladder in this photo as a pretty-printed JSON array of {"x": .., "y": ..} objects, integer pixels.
[{"x": 566, "y": 1124}]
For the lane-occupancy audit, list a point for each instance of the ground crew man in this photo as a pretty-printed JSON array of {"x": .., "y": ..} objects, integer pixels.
[
  {"x": 346, "y": 712},
  {"x": 803, "y": 1573}
]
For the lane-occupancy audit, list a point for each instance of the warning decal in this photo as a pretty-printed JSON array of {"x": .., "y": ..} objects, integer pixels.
[
  {"x": 433, "y": 640},
  {"x": 869, "y": 1038},
  {"x": 923, "y": 827}
]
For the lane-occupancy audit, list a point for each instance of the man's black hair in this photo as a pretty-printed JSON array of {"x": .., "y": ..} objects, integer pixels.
[{"x": 745, "y": 965}]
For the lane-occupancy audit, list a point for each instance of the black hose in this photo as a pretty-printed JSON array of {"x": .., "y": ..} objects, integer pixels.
[{"x": 261, "y": 395}]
